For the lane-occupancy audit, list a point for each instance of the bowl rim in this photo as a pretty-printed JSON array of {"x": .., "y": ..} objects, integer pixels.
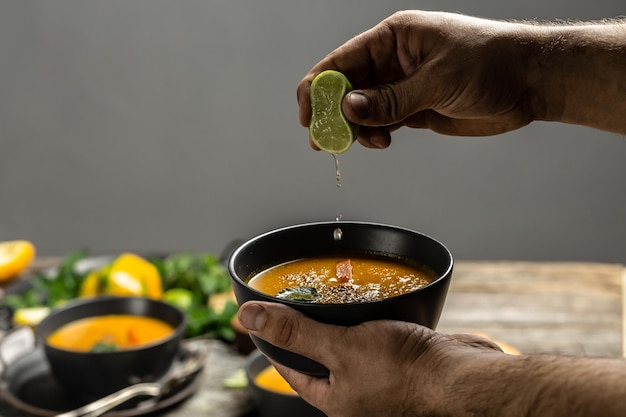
[
  {"x": 441, "y": 277},
  {"x": 177, "y": 333}
]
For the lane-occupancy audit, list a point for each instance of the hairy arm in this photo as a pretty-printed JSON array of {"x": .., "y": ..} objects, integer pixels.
[
  {"x": 541, "y": 386},
  {"x": 578, "y": 74},
  {"x": 391, "y": 368},
  {"x": 468, "y": 76}
]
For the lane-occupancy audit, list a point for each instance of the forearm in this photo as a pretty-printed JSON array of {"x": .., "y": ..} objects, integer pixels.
[
  {"x": 542, "y": 386},
  {"x": 578, "y": 74}
]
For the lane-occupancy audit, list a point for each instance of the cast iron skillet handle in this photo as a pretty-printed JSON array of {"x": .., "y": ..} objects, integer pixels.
[
  {"x": 105, "y": 404},
  {"x": 16, "y": 343}
]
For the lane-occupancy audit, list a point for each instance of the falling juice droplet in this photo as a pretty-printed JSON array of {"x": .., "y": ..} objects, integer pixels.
[
  {"x": 337, "y": 233},
  {"x": 337, "y": 173}
]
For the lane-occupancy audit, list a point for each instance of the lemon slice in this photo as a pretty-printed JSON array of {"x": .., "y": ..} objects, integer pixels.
[
  {"x": 329, "y": 129},
  {"x": 15, "y": 256},
  {"x": 30, "y": 316},
  {"x": 238, "y": 379}
]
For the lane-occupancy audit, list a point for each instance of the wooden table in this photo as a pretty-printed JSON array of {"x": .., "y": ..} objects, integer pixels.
[
  {"x": 560, "y": 308},
  {"x": 556, "y": 308}
]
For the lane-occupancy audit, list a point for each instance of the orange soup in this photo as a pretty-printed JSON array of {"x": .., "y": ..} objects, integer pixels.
[
  {"x": 341, "y": 280},
  {"x": 109, "y": 333},
  {"x": 271, "y": 380}
]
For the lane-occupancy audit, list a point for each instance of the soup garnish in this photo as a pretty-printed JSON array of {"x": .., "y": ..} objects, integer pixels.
[
  {"x": 109, "y": 333},
  {"x": 332, "y": 280},
  {"x": 299, "y": 294}
]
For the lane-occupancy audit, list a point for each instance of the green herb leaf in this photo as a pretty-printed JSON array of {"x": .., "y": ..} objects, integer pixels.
[
  {"x": 103, "y": 347},
  {"x": 196, "y": 275},
  {"x": 299, "y": 294}
]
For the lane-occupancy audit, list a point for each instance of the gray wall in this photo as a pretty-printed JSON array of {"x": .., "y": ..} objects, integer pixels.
[{"x": 156, "y": 125}]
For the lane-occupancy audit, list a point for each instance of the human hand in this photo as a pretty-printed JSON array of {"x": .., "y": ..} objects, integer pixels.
[
  {"x": 378, "y": 368},
  {"x": 453, "y": 74}
]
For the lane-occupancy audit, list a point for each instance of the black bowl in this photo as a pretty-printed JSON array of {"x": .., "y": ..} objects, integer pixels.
[
  {"x": 106, "y": 372},
  {"x": 272, "y": 403},
  {"x": 422, "y": 306}
]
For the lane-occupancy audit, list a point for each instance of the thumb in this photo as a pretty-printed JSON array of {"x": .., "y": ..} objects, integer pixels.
[
  {"x": 383, "y": 105},
  {"x": 289, "y": 329}
]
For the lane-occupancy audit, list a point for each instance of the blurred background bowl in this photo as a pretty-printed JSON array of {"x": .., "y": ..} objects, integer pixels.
[
  {"x": 311, "y": 240},
  {"x": 270, "y": 403},
  {"x": 105, "y": 372}
]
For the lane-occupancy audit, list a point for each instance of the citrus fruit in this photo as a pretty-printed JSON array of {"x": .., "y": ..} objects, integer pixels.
[
  {"x": 329, "y": 129},
  {"x": 15, "y": 256},
  {"x": 30, "y": 316},
  {"x": 132, "y": 275},
  {"x": 238, "y": 379},
  {"x": 179, "y": 297}
]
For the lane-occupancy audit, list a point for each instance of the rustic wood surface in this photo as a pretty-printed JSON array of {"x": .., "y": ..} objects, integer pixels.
[
  {"x": 557, "y": 308},
  {"x": 561, "y": 308}
]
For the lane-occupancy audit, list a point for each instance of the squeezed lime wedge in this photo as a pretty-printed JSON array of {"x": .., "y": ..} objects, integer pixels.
[{"x": 329, "y": 129}]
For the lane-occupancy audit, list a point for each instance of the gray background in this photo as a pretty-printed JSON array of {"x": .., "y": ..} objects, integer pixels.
[{"x": 172, "y": 125}]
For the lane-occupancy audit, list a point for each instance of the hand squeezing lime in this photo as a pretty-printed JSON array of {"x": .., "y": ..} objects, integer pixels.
[{"x": 329, "y": 129}]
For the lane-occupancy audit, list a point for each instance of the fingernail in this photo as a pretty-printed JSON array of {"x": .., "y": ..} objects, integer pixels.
[
  {"x": 252, "y": 317},
  {"x": 379, "y": 142},
  {"x": 360, "y": 104}
]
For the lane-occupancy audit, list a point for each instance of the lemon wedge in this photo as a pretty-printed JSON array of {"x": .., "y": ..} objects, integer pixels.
[
  {"x": 15, "y": 256},
  {"x": 30, "y": 316}
]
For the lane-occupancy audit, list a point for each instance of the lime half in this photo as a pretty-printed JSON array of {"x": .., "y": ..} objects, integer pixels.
[{"x": 329, "y": 129}]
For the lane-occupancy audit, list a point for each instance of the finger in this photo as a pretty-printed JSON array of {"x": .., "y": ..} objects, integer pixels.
[
  {"x": 304, "y": 103},
  {"x": 313, "y": 145},
  {"x": 311, "y": 389},
  {"x": 384, "y": 104},
  {"x": 484, "y": 126},
  {"x": 476, "y": 341},
  {"x": 364, "y": 58},
  {"x": 369, "y": 137},
  {"x": 374, "y": 137},
  {"x": 289, "y": 329},
  {"x": 358, "y": 60}
]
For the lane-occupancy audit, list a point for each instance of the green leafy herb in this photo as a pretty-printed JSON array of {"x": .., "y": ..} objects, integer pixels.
[
  {"x": 201, "y": 276},
  {"x": 103, "y": 347},
  {"x": 299, "y": 294},
  {"x": 189, "y": 281},
  {"x": 52, "y": 288}
]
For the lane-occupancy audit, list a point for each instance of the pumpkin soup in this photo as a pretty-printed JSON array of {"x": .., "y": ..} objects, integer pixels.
[
  {"x": 109, "y": 333},
  {"x": 339, "y": 280},
  {"x": 271, "y": 380}
]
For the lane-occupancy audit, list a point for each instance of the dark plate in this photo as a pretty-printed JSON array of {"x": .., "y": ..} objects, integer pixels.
[{"x": 28, "y": 385}]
